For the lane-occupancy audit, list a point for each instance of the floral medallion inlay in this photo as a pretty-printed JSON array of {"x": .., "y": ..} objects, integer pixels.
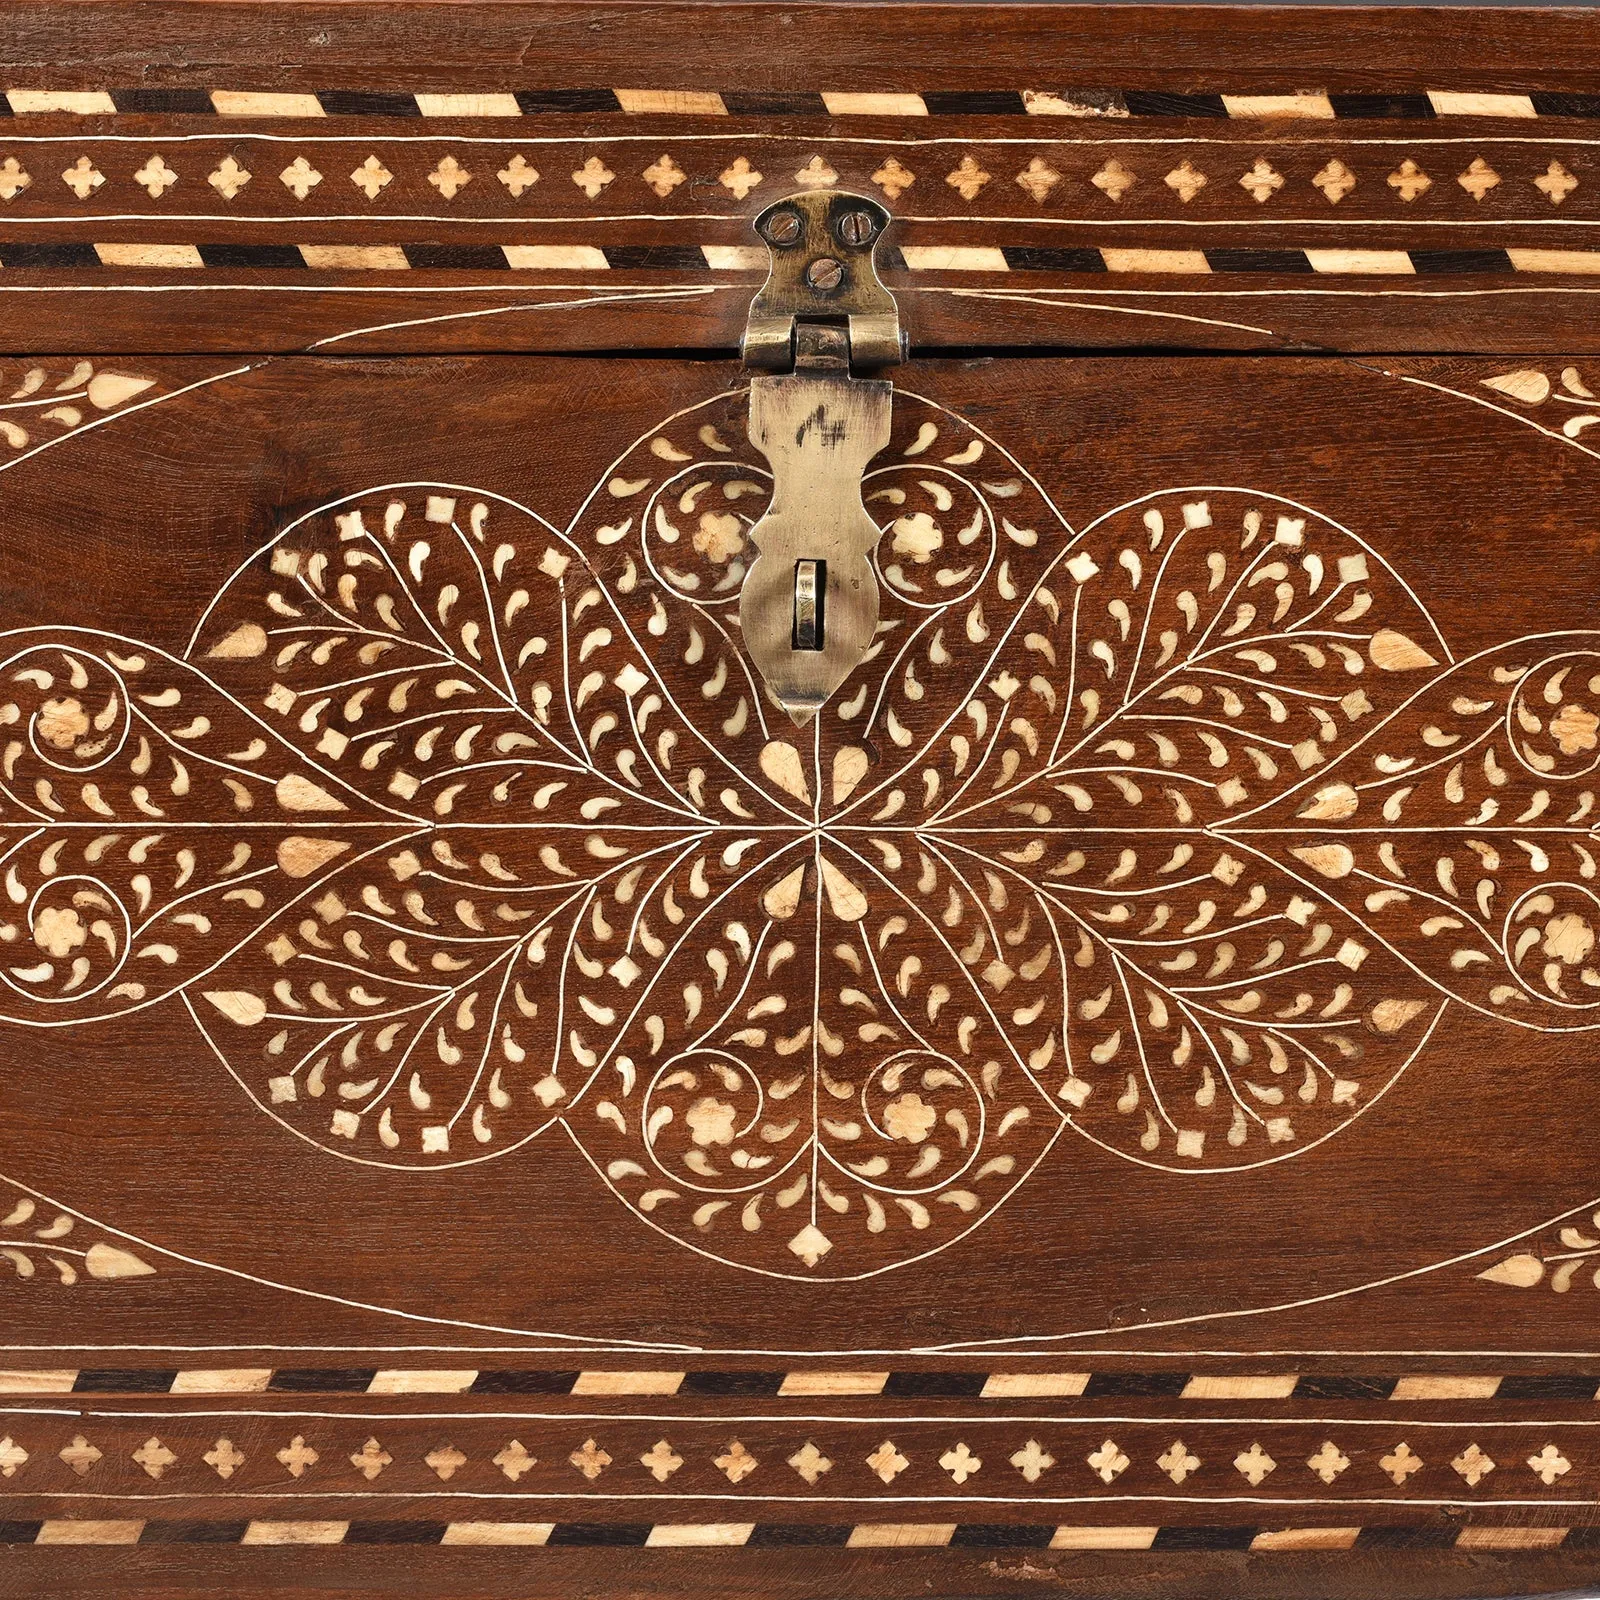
[{"x": 1180, "y": 833}]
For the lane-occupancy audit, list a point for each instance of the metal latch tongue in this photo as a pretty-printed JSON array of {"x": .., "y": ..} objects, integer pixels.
[{"x": 809, "y": 607}]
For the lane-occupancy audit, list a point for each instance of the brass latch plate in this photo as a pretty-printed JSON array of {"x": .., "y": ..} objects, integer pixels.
[{"x": 809, "y": 607}]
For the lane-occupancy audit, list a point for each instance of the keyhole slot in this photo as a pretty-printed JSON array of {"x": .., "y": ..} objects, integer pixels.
[{"x": 810, "y": 601}]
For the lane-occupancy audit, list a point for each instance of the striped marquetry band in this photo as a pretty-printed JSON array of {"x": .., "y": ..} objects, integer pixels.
[
  {"x": 600, "y": 1383},
  {"x": 737, "y": 1535},
  {"x": 736, "y": 258},
  {"x": 1315, "y": 105}
]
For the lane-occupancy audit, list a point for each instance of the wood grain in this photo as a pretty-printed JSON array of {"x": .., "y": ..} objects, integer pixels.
[
  {"x": 493, "y": 1102},
  {"x": 212, "y": 1234}
]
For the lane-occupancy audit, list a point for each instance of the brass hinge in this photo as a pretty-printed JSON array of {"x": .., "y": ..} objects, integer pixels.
[{"x": 810, "y": 602}]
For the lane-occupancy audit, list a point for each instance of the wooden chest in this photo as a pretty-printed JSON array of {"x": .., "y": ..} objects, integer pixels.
[{"x": 930, "y": 934}]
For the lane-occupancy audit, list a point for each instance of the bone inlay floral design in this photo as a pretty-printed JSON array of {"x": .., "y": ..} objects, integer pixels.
[{"x": 1182, "y": 832}]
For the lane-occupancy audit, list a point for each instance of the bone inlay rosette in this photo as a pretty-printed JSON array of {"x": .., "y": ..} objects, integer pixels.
[{"x": 453, "y": 829}]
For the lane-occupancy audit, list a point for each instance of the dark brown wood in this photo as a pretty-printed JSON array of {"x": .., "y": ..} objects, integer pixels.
[
  {"x": 493, "y": 1104},
  {"x": 549, "y": 44}
]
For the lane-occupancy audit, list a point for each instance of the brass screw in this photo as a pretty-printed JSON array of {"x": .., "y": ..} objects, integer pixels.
[
  {"x": 856, "y": 227},
  {"x": 783, "y": 228},
  {"x": 825, "y": 274}
]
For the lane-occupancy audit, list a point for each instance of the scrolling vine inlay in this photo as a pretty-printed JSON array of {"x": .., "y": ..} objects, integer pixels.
[{"x": 450, "y": 826}]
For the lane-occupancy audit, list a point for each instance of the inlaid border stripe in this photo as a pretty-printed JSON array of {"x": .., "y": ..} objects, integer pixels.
[
  {"x": 1317, "y": 106},
  {"x": 735, "y": 257},
  {"x": 124, "y": 1380},
  {"x": 899, "y": 1535},
  {"x": 1033, "y": 1385},
  {"x": 81, "y": 103},
  {"x": 1555, "y": 260},
  {"x": 1510, "y": 1538},
  {"x": 954, "y": 258},
  {"x": 354, "y": 257},
  {"x": 671, "y": 102},
  {"x": 158, "y": 256},
  {"x": 820, "y": 1383},
  {"x": 249, "y": 103},
  {"x": 1330, "y": 1386},
  {"x": 163, "y": 256},
  {"x": 832, "y": 1383},
  {"x": 1103, "y": 1538},
  {"x": 1452, "y": 103},
  {"x": 222, "y": 1380},
  {"x": 1548, "y": 1386},
  {"x": 1141, "y": 260},
  {"x": 618, "y": 1383},
  {"x": 739, "y": 1535},
  {"x": 1306, "y": 1539},
  {"x": 482, "y": 1533},
  {"x": 686, "y": 1535},
  {"x": 468, "y": 105},
  {"x": 559, "y": 257},
  {"x": 262, "y": 1532},
  {"x": 319, "y": 1380},
  {"x": 1380, "y": 262},
  {"x": 874, "y": 105},
  {"x": 437, "y": 1381},
  {"x": 1422, "y": 1386},
  {"x": 1314, "y": 105},
  {"x": 56, "y": 1380}
]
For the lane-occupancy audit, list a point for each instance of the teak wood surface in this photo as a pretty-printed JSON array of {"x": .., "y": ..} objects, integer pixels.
[{"x": 492, "y": 1106}]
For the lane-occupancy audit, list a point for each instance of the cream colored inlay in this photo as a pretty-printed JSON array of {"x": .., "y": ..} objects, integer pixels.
[
  {"x": 468, "y": 105},
  {"x": 246, "y": 103}
]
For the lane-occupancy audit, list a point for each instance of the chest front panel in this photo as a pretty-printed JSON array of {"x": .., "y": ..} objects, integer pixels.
[{"x": 1112, "y": 1085}]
